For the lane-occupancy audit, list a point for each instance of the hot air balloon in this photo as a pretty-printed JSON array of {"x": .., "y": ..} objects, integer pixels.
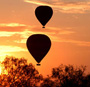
[
  {"x": 38, "y": 45},
  {"x": 43, "y": 14}
]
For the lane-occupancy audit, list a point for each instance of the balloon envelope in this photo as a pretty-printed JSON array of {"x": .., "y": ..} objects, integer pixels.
[
  {"x": 38, "y": 45},
  {"x": 43, "y": 14}
]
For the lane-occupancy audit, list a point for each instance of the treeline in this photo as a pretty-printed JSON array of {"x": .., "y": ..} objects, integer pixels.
[{"x": 21, "y": 74}]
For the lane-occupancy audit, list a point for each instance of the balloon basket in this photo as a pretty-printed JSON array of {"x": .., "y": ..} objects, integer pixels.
[
  {"x": 38, "y": 64},
  {"x": 43, "y": 27}
]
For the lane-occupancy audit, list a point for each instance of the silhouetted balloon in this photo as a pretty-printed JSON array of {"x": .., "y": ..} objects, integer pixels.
[
  {"x": 38, "y": 45},
  {"x": 43, "y": 14}
]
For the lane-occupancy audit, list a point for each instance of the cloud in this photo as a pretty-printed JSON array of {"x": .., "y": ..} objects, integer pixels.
[
  {"x": 55, "y": 34},
  {"x": 10, "y": 29},
  {"x": 9, "y": 34},
  {"x": 11, "y": 49},
  {"x": 52, "y": 32},
  {"x": 77, "y": 42},
  {"x": 65, "y": 32},
  {"x": 38, "y": 2},
  {"x": 65, "y": 6},
  {"x": 11, "y": 25}
]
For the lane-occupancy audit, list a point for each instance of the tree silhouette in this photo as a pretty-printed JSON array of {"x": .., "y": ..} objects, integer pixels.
[
  {"x": 23, "y": 74},
  {"x": 20, "y": 73},
  {"x": 67, "y": 76}
]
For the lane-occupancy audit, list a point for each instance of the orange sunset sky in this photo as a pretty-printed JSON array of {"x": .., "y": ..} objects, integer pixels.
[{"x": 68, "y": 29}]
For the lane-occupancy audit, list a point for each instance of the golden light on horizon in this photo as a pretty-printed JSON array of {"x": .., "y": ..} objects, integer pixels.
[
  {"x": 0, "y": 70},
  {"x": 3, "y": 70},
  {"x": 8, "y": 50},
  {"x": 3, "y": 55}
]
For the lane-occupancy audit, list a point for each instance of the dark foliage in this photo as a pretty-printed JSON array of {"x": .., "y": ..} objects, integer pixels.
[
  {"x": 67, "y": 76},
  {"x": 22, "y": 74}
]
